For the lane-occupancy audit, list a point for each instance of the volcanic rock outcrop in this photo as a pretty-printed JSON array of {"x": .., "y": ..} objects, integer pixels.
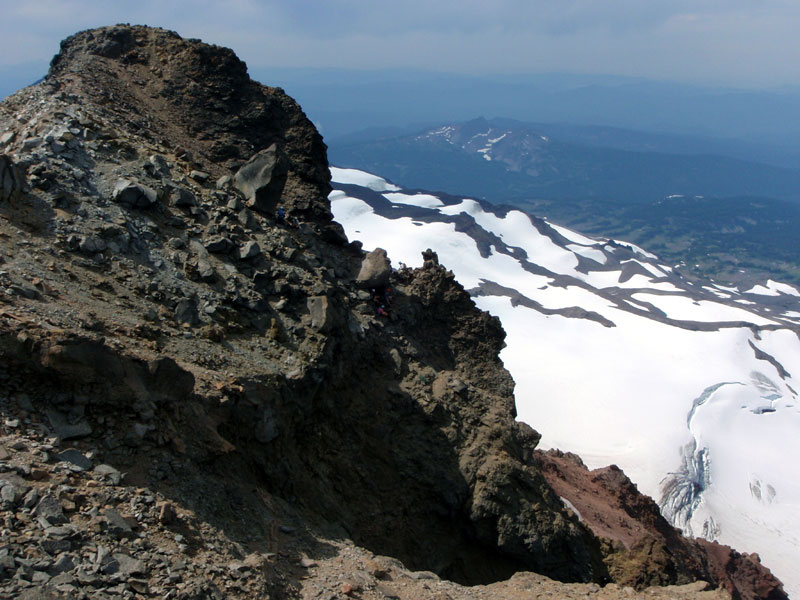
[
  {"x": 611, "y": 506},
  {"x": 200, "y": 400}
]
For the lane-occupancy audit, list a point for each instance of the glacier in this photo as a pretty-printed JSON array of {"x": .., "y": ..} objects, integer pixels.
[{"x": 689, "y": 386}]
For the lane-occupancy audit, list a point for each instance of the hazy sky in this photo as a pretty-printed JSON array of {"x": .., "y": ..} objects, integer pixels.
[{"x": 743, "y": 43}]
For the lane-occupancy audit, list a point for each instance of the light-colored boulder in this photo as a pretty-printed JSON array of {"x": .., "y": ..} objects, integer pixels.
[
  {"x": 261, "y": 179},
  {"x": 375, "y": 270},
  {"x": 322, "y": 313}
]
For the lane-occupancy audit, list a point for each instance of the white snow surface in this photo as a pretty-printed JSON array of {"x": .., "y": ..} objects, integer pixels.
[
  {"x": 573, "y": 236},
  {"x": 647, "y": 391},
  {"x": 423, "y": 200},
  {"x": 773, "y": 288},
  {"x": 683, "y": 308},
  {"x": 368, "y": 180},
  {"x": 591, "y": 252}
]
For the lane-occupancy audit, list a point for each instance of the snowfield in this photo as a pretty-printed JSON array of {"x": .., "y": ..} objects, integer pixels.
[{"x": 688, "y": 386}]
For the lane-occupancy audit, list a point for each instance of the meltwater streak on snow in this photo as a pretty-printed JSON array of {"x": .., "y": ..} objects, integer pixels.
[{"x": 621, "y": 394}]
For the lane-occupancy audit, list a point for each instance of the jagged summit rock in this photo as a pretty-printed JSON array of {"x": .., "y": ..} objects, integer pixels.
[
  {"x": 199, "y": 99},
  {"x": 262, "y": 429}
]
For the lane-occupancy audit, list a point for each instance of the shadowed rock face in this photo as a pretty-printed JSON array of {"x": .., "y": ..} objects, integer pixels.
[
  {"x": 10, "y": 180},
  {"x": 231, "y": 365}
]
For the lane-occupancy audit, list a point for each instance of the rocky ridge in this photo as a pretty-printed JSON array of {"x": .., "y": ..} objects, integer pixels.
[{"x": 199, "y": 399}]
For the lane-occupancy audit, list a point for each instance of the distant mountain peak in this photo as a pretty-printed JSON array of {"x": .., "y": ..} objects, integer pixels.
[{"x": 515, "y": 148}]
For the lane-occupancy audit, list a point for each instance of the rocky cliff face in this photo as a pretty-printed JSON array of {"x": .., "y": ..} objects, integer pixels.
[{"x": 200, "y": 398}]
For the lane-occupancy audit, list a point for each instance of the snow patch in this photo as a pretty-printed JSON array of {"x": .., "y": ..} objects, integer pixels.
[
  {"x": 423, "y": 200},
  {"x": 636, "y": 249},
  {"x": 593, "y": 253},
  {"x": 362, "y": 178},
  {"x": 572, "y": 236},
  {"x": 773, "y": 288}
]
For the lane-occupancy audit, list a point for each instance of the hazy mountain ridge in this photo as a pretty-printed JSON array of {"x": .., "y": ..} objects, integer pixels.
[
  {"x": 546, "y": 168},
  {"x": 343, "y": 101},
  {"x": 714, "y": 214}
]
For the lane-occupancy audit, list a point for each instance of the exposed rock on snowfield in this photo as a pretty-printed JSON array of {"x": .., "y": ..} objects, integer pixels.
[{"x": 199, "y": 400}]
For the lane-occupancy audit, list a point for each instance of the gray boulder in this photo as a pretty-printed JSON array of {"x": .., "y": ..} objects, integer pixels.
[
  {"x": 118, "y": 526},
  {"x": 261, "y": 179},
  {"x": 249, "y": 250},
  {"x": 133, "y": 195},
  {"x": 186, "y": 311},
  {"x": 205, "y": 270},
  {"x": 375, "y": 270},
  {"x": 108, "y": 472},
  {"x": 200, "y": 176},
  {"x": 50, "y": 509},
  {"x": 181, "y": 197},
  {"x": 92, "y": 244},
  {"x": 157, "y": 166},
  {"x": 9, "y": 494},
  {"x": 219, "y": 245},
  {"x": 65, "y": 429},
  {"x": 76, "y": 458},
  {"x": 10, "y": 179}
]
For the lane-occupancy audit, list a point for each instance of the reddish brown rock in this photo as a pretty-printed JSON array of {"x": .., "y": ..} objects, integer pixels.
[{"x": 652, "y": 551}]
